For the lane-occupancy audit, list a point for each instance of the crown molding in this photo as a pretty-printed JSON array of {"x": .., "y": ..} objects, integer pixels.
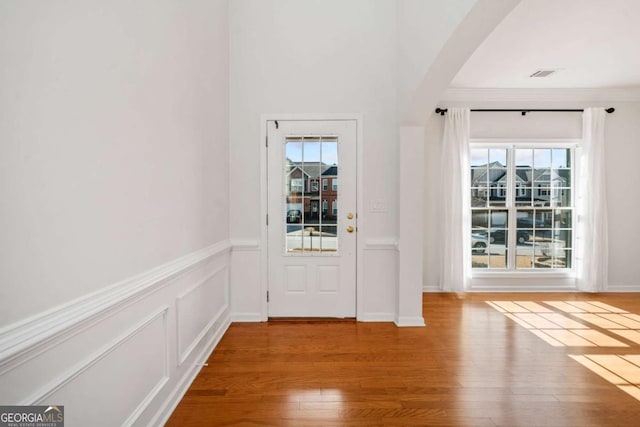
[{"x": 541, "y": 96}]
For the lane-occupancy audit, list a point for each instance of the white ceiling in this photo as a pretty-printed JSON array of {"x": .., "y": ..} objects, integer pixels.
[{"x": 593, "y": 43}]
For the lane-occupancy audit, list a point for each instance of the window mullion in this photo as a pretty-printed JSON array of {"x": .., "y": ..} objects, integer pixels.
[{"x": 510, "y": 204}]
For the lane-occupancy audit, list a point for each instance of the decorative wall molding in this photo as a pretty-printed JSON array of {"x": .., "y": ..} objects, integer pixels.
[
  {"x": 169, "y": 405},
  {"x": 245, "y": 245},
  {"x": 141, "y": 329},
  {"x": 36, "y": 334},
  {"x": 541, "y": 96},
  {"x": 431, "y": 288},
  {"x": 183, "y": 355},
  {"x": 65, "y": 378},
  {"x": 381, "y": 245}
]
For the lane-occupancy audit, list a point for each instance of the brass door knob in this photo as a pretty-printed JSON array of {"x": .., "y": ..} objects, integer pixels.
[
  {"x": 350, "y": 229},
  {"x": 349, "y": 215}
]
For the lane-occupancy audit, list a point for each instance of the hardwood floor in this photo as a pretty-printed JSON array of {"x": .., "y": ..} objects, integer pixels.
[{"x": 474, "y": 364}]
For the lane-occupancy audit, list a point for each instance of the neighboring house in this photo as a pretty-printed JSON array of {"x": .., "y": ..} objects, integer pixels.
[
  {"x": 543, "y": 186},
  {"x": 312, "y": 188},
  {"x": 329, "y": 185}
]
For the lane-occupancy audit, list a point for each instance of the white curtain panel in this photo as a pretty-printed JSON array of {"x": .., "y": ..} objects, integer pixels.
[
  {"x": 592, "y": 240},
  {"x": 455, "y": 238}
]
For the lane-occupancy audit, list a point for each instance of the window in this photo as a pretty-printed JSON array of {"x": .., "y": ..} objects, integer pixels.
[
  {"x": 296, "y": 185},
  {"x": 526, "y": 221},
  {"x": 325, "y": 184},
  {"x": 334, "y": 184},
  {"x": 334, "y": 208},
  {"x": 314, "y": 185},
  {"x": 325, "y": 207}
]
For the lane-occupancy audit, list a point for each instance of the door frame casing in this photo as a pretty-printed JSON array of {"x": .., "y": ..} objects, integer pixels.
[{"x": 264, "y": 191}]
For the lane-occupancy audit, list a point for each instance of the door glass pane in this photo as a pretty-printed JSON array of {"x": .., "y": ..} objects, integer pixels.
[
  {"x": 310, "y": 213},
  {"x": 330, "y": 192},
  {"x": 328, "y": 238}
]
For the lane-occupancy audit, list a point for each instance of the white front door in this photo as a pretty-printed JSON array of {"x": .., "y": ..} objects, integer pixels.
[{"x": 312, "y": 218}]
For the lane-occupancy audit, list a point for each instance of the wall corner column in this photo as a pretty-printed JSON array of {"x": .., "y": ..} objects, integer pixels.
[{"x": 411, "y": 214}]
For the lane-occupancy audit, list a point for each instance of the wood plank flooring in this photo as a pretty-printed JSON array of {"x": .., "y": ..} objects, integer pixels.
[{"x": 524, "y": 360}]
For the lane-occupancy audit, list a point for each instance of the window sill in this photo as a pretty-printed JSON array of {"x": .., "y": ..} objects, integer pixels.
[
  {"x": 570, "y": 274},
  {"x": 511, "y": 281}
]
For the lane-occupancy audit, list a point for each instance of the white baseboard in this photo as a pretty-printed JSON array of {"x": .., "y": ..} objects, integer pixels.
[
  {"x": 377, "y": 317},
  {"x": 623, "y": 288},
  {"x": 405, "y": 321},
  {"x": 170, "y": 404},
  {"x": 246, "y": 317}
]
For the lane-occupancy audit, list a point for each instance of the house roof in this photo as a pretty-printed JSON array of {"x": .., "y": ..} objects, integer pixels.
[
  {"x": 331, "y": 171},
  {"x": 311, "y": 169},
  {"x": 497, "y": 174}
]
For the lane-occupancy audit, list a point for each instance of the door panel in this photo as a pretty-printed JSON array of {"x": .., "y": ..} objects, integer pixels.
[{"x": 312, "y": 242}]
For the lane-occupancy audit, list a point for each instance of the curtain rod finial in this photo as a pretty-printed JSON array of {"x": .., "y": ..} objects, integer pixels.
[
  {"x": 610, "y": 110},
  {"x": 441, "y": 111}
]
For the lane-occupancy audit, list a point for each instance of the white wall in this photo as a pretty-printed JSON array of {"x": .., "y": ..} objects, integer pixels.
[
  {"x": 424, "y": 26},
  {"x": 114, "y": 253},
  {"x": 623, "y": 150},
  {"x": 623, "y": 173},
  {"x": 290, "y": 56},
  {"x": 113, "y": 143}
]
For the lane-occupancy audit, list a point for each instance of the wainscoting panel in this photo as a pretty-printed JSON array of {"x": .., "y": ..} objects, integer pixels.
[
  {"x": 198, "y": 309},
  {"x": 380, "y": 279},
  {"x": 248, "y": 302},
  {"x": 126, "y": 354},
  {"x": 130, "y": 371}
]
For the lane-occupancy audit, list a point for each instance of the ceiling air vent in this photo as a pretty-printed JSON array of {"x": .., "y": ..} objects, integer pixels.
[{"x": 542, "y": 73}]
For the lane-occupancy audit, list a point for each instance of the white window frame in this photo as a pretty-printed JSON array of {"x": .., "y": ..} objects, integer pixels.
[
  {"x": 325, "y": 184},
  {"x": 334, "y": 184},
  {"x": 566, "y": 277}
]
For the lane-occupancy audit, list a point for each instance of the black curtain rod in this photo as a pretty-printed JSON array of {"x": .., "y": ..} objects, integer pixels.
[{"x": 524, "y": 111}]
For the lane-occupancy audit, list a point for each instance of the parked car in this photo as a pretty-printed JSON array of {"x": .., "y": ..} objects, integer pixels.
[
  {"x": 498, "y": 235},
  {"x": 526, "y": 222},
  {"x": 478, "y": 243},
  {"x": 294, "y": 216}
]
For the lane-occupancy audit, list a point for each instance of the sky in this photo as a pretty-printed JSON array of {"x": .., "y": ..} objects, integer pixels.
[
  {"x": 326, "y": 152},
  {"x": 537, "y": 158}
]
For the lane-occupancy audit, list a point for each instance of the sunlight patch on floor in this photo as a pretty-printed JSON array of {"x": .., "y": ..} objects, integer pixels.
[
  {"x": 621, "y": 370},
  {"x": 584, "y": 324},
  {"x": 573, "y": 325}
]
